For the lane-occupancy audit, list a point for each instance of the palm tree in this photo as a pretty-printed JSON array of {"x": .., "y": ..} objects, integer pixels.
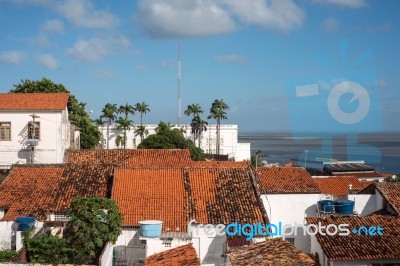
[
  {"x": 108, "y": 112},
  {"x": 141, "y": 131},
  {"x": 142, "y": 108},
  {"x": 126, "y": 109},
  {"x": 202, "y": 127},
  {"x": 217, "y": 112},
  {"x": 119, "y": 140},
  {"x": 194, "y": 109},
  {"x": 163, "y": 126},
  {"x": 124, "y": 124}
]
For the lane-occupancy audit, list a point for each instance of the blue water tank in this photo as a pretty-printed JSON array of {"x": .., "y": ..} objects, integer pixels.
[
  {"x": 326, "y": 205},
  {"x": 25, "y": 223},
  {"x": 150, "y": 228},
  {"x": 344, "y": 206}
]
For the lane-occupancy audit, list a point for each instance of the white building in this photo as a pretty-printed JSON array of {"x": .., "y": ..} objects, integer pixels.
[
  {"x": 34, "y": 128},
  {"x": 229, "y": 144}
]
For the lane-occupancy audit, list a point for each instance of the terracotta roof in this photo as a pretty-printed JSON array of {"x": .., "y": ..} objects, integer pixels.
[
  {"x": 391, "y": 192},
  {"x": 180, "y": 256},
  {"x": 33, "y": 101},
  {"x": 338, "y": 186},
  {"x": 274, "y": 251},
  {"x": 237, "y": 241},
  {"x": 360, "y": 247},
  {"x": 175, "y": 196},
  {"x": 361, "y": 174},
  {"x": 40, "y": 190},
  {"x": 220, "y": 164},
  {"x": 132, "y": 157},
  {"x": 285, "y": 180}
]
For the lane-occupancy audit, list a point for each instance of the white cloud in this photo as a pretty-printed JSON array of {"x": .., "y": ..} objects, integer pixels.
[
  {"x": 331, "y": 24},
  {"x": 232, "y": 58},
  {"x": 343, "y": 3},
  {"x": 140, "y": 68},
  {"x": 166, "y": 64},
  {"x": 282, "y": 15},
  {"x": 53, "y": 26},
  {"x": 381, "y": 28},
  {"x": 94, "y": 49},
  {"x": 181, "y": 18},
  {"x": 12, "y": 57},
  {"x": 103, "y": 73},
  {"x": 82, "y": 13},
  {"x": 48, "y": 61}
]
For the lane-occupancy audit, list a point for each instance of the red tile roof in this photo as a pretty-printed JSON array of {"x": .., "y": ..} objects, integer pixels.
[
  {"x": 338, "y": 186},
  {"x": 175, "y": 196},
  {"x": 362, "y": 174},
  {"x": 360, "y": 247},
  {"x": 220, "y": 164},
  {"x": 180, "y": 256},
  {"x": 274, "y": 251},
  {"x": 40, "y": 190},
  {"x": 132, "y": 157},
  {"x": 33, "y": 101},
  {"x": 285, "y": 180},
  {"x": 391, "y": 193}
]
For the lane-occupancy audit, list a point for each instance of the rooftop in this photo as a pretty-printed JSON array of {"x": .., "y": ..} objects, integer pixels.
[
  {"x": 286, "y": 180},
  {"x": 180, "y": 256},
  {"x": 175, "y": 196},
  {"x": 274, "y": 251},
  {"x": 220, "y": 164},
  {"x": 132, "y": 157},
  {"x": 42, "y": 189},
  {"x": 33, "y": 101},
  {"x": 338, "y": 186},
  {"x": 347, "y": 167},
  {"x": 391, "y": 193},
  {"x": 360, "y": 247}
]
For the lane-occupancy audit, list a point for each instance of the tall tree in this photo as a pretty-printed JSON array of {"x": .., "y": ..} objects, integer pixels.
[
  {"x": 127, "y": 110},
  {"x": 141, "y": 131},
  {"x": 119, "y": 141},
  {"x": 217, "y": 112},
  {"x": 90, "y": 134},
  {"x": 194, "y": 109},
  {"x": 109, "y": 113},
  {"x": 142, "y": 108},
  {"x": 124, "y": 124},
  {"x": 202, "y": 126}
]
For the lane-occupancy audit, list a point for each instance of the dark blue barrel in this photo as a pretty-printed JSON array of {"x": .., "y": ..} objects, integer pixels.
[
  {"x": 25, "y": 223},
  {"x": 344, "y": 206},
  {"x": 326, "y": 205}
]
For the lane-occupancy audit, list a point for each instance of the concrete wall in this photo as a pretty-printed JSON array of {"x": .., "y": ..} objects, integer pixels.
[
  {"x": 54, "y": 137},
  {"x": 229, "y": 139},
  {"x": 10, "y": 238},
  {"x": 106, "y": 258},
  {"x": 292, "y": 209},
  {"x": 364, "y": 204}
]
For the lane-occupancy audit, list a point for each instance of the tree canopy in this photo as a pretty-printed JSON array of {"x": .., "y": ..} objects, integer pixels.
[
  {"x": 90, "y": 135},
  {"x": 168, "y": 138}
]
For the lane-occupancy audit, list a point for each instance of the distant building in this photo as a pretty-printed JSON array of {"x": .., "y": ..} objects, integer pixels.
[
  {"x": 229, "y": 144},
  {"x": 35, "y": 128}
]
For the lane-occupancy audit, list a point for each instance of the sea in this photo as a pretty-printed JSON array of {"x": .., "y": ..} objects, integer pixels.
[{"x": 380, "y": 150}]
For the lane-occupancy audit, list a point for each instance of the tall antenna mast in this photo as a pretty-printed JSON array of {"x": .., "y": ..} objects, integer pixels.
[{"x": 179, "y": 87}]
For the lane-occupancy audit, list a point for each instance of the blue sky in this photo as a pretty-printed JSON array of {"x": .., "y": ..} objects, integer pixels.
[{"x": 249, "y": 53}]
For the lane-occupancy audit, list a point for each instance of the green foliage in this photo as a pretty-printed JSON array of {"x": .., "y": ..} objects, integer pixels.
[
  {"x": 94, "y": 222},
  {"x": 167, "y": 138},
  {"x": 393, "y": 178},
  {"x": 90, "y": 135},
  {"x": 7, "y": 254},
  {"x": 48, "y": 249},
  {"x": 255, "y": 162}
]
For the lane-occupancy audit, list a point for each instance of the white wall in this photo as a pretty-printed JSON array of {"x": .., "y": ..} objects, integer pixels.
[
  {"x": 364, "y": 204},
  {"x": 54, "y": 137},
  {"x": 106, "y": 258},
  {"x": 8, "y": 234},
  {"x": 292, "y": 209},
  {"x": 229, "y": 139}
]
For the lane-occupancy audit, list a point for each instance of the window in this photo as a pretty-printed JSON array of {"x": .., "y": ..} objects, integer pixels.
[
  {"x": 5, "y": 130},
  {"x": 34, "y": 130}
]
